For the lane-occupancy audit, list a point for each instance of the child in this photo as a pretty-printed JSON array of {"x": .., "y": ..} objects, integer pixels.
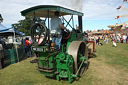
[{"x": 114, "y": 42}]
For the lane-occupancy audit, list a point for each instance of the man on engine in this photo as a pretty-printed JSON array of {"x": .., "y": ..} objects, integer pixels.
[{"x": 56, "y": 26}]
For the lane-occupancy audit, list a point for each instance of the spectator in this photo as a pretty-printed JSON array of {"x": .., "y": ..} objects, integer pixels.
[
  {"x": 97, "y": 40},
  {"x": 114, "y": 42},
  {"x": 28, "y": 47},
  {"x": 41, "y": 39},
  {"x": 2, "y": 47},
  {"x": 111, "y": 39},
  {"x": 121, "y": 40},
  {"x": 124, "y": 39},
  {"x": 24, "y": 44},
  {"x": 118, "y": 38},
  {"x": 106, "y": 39},
  {"x": 1, "y": 56}
]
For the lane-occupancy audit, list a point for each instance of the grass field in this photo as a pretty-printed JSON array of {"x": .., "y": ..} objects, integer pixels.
[{"x": 109, "y": 67}]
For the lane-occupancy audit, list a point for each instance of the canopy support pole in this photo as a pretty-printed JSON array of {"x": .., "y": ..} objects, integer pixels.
[{"x": 16, "y": 45}]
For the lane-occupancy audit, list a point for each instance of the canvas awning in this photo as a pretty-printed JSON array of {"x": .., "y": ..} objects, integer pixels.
[{"x": 10, "y": 31}]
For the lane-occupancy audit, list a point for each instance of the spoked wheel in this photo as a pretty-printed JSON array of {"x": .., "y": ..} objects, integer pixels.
[
  {"x": 39, "y": 34},
  {"x": 78, "y": 49}
]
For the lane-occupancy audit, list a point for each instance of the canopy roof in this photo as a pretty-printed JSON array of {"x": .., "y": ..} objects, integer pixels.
[
  {"x": 117, "y": 25},
  {"x": 10, "y": 31},
  {"x": 42, "y": 11}
]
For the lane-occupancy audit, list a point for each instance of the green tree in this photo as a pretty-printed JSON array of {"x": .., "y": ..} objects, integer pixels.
[
  {"x": 98, "y": 30},
  {"x": 90, "y": 31},
  {"x": 23, "y": 25}
]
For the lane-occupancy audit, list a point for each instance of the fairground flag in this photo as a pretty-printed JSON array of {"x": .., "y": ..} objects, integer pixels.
[
  {"x": 124, "y": 0},
  {"x": 117, "y": 17},
  {"x": 118, "y": 7}
]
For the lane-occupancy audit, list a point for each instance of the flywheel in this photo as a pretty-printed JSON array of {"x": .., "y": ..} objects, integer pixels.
[
  {"x": 74, "y": 49},
  {"x": 39, "y": 34}
]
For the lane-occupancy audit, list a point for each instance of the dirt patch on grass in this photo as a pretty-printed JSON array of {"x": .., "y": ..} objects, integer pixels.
[{"x": 106, "y": 74}]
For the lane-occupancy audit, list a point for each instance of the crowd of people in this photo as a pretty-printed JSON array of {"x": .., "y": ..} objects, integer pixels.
[
  {"x": 115, "y": 38},
  {"x": 119, "y": 38}
]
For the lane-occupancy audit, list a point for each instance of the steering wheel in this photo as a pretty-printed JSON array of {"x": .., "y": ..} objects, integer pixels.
[
  {"x": 39, "y": 34},
  {"x": 66, "y": 34}
]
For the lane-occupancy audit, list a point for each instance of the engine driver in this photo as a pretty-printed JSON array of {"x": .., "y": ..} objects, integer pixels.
[{"x": 56, "y": 26}]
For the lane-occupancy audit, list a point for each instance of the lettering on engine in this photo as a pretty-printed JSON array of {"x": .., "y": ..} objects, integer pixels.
[{"x": 38, "y": 49}]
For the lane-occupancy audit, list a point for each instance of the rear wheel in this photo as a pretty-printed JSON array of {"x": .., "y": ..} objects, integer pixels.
[{"x": 78, "y": 49}]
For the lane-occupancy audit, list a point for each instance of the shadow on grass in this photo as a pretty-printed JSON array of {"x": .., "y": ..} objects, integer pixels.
[
  {"x": 54, "y": 77},
  {"x": 84, "y": 68}
]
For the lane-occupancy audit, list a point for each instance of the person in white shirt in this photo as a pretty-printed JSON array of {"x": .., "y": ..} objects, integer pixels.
[
  {"x": 56, "y": 26},
  {"x": 124, "y": 38}
]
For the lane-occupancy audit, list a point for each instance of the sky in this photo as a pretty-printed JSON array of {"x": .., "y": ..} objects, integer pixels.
[{"x": 98, "y": 14}]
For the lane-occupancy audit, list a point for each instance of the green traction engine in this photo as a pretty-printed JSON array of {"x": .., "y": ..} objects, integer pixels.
[{"x": 71, "y": 60}]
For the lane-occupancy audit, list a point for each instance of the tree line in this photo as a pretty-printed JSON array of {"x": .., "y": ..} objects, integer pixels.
[{"x": 25, "y": 24}]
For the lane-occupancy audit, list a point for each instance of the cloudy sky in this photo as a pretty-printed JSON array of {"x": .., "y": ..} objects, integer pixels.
[{"x": 98, "y": 14}]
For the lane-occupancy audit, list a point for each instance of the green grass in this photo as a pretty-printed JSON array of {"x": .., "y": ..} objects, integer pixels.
[
  {"x": 110, "y": 67},
  {"x": 113, "y": 55}
]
